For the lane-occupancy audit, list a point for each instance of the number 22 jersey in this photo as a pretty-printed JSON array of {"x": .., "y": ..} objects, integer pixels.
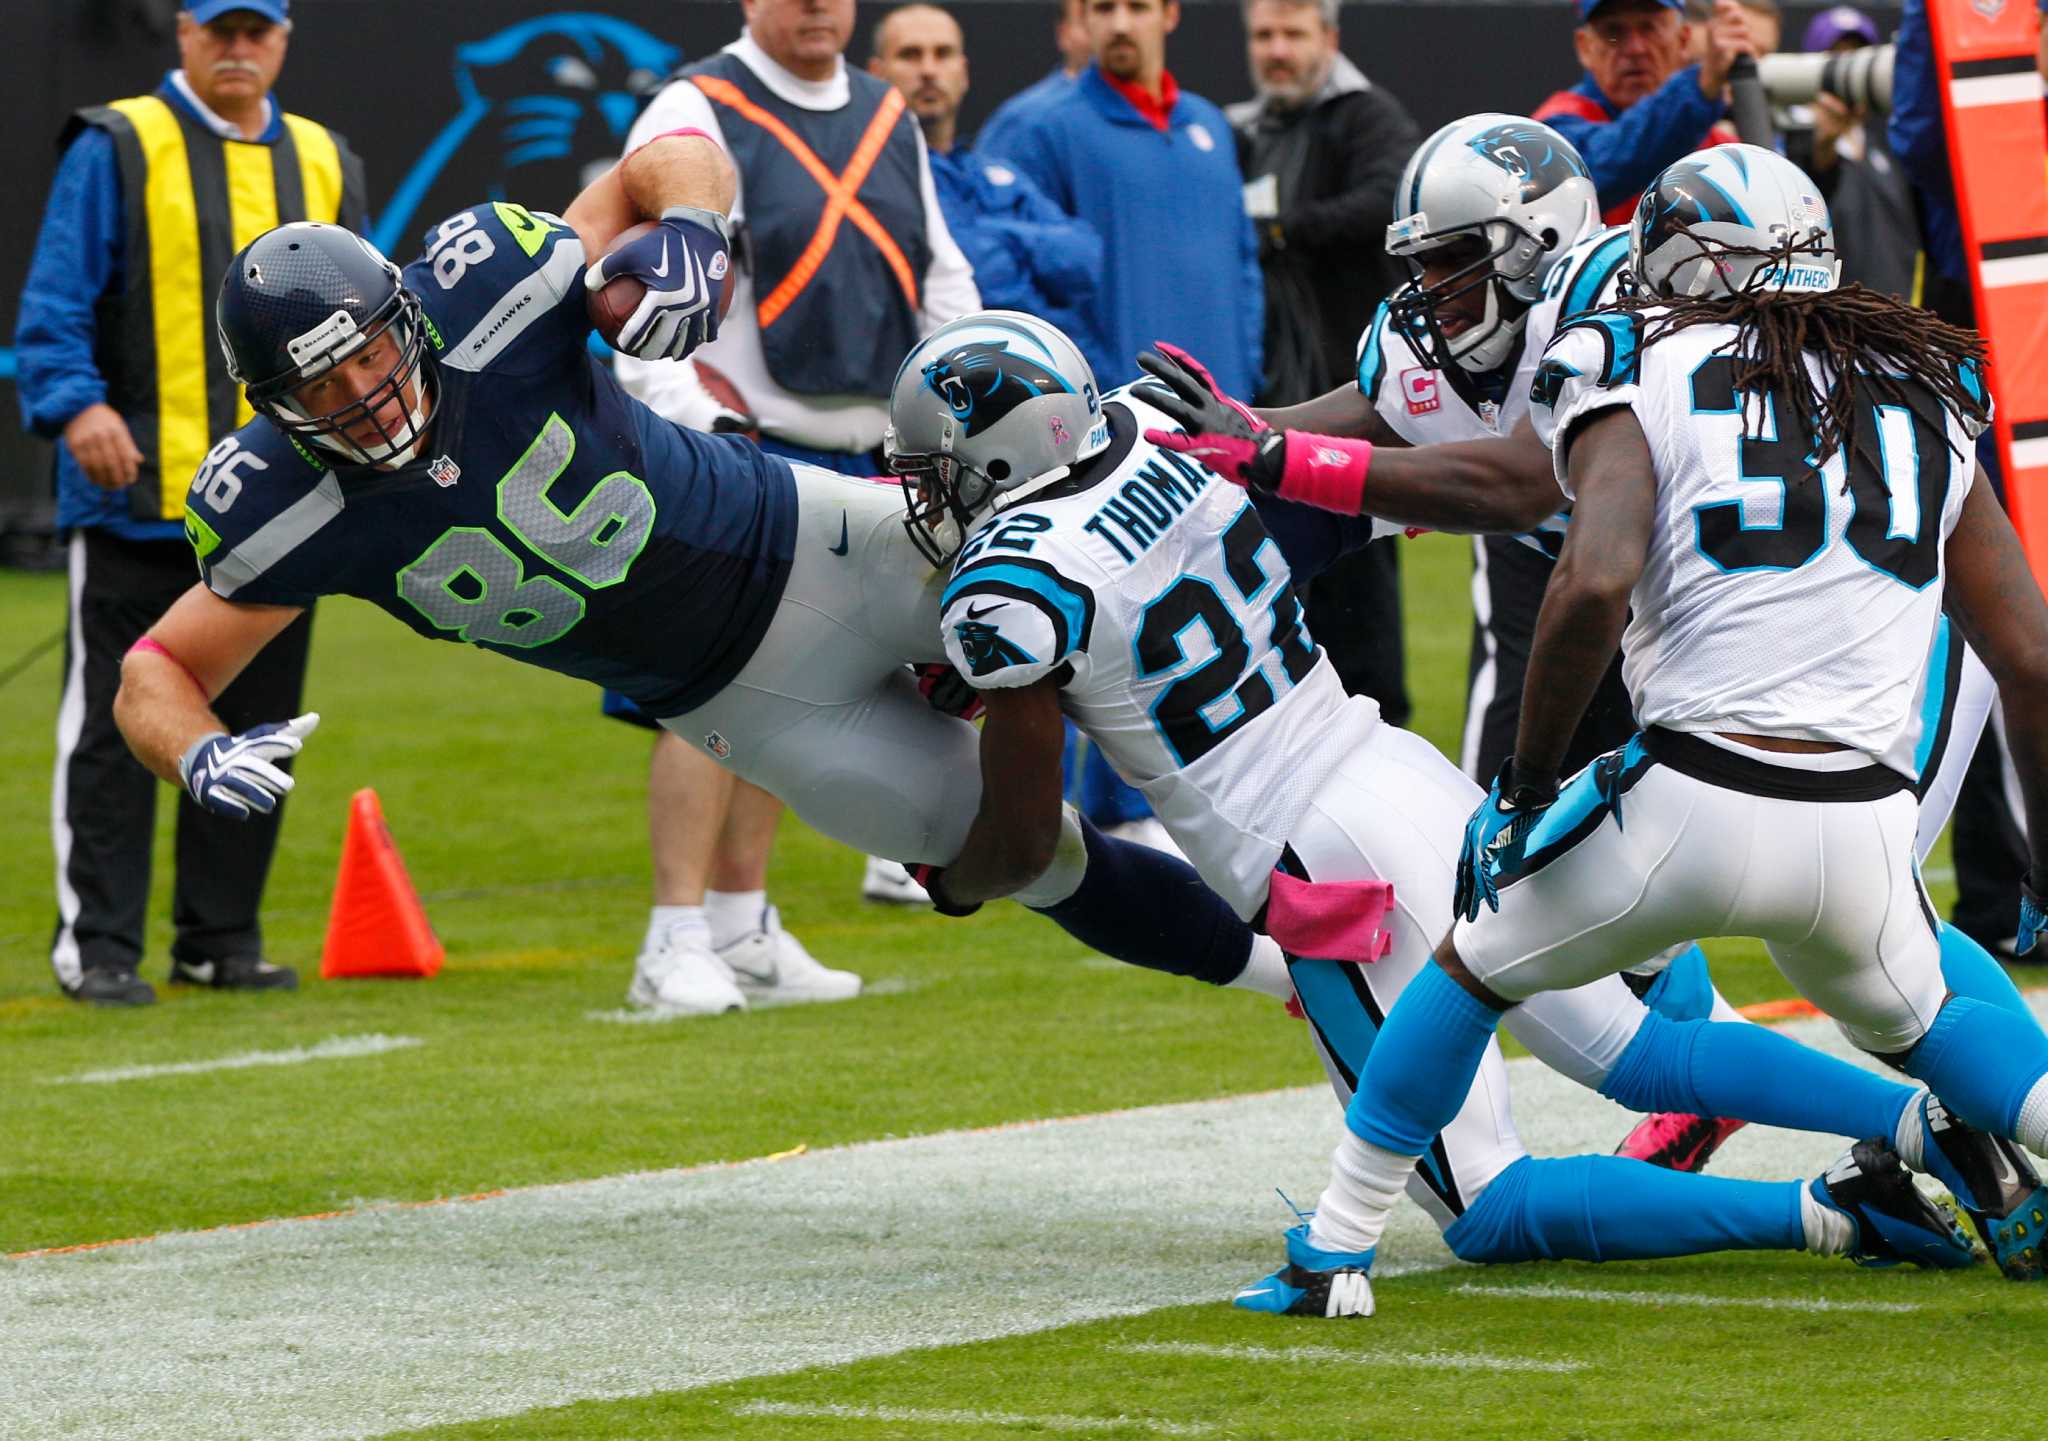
[
  {"x": 1147, "y": 586},
  {"x": 546, "y": 515}
]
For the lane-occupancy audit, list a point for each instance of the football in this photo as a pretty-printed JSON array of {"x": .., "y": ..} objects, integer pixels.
[{"x": 612, "y": 306}]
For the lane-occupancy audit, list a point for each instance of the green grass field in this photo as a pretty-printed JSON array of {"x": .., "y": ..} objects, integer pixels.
[{"x": 520, "y": 813}]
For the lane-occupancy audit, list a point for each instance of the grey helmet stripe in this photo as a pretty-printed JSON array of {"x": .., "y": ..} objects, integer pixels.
[{"x": 278, "y": 537}]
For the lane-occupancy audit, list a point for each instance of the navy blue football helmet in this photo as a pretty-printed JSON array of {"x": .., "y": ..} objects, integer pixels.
[{"x": 297, "y": 302}]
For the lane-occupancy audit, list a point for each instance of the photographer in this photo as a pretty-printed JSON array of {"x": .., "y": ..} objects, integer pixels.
[{"x": 1872, "y": 203}]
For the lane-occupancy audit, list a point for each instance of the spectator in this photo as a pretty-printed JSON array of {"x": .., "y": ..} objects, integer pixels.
[
  {"x": 1322, "y": 148},
  {"x": 826, "y": 302},
  {"x": 1639, "y": 106},
  {"x": 1027, "y": 253},
  {"x": 1766, "y": 24},
  {"x": 1129, "y": 151},
  {"x": 118, "y": 363},
  {"x": 1070, "y": 36},
  {"x": 1876, "y": 226}
]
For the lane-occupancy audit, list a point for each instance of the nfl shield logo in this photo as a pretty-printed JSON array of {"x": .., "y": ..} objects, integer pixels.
[
  {"x": 718, "y": 745},
  {"x": 445, "y": 471},
  {"x": 1989, "y": 9}
]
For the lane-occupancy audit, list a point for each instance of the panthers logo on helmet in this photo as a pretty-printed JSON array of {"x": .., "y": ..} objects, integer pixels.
[
  {"x": 1531, "y": 154},
  {"x": 985, "y": 648},
  {"x": 984, "y": 380},
  {"x": 1685, "y": 194}
]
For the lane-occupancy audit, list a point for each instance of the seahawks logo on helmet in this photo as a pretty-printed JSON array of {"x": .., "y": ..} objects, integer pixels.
[
  {"x": 1531, "y": 154},
  {"x": 985, "y": 648},
  {"x": 984, "y": 380}
]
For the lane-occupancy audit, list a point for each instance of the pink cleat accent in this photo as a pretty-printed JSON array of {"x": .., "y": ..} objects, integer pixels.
[{"x": 1676, "y": 1141}]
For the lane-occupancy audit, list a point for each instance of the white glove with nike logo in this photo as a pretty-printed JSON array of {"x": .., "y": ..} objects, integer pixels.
[
  {"x": 238, "y": 776},
  {"x": 683, "y": 263}
]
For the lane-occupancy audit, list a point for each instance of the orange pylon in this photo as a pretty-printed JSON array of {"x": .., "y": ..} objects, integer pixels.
[{"x": 377, "y": 926}]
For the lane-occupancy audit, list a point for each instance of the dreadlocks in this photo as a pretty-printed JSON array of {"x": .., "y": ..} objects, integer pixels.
[{"x": 1861, "y": 337}]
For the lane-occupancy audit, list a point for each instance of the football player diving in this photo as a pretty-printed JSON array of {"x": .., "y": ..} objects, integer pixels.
[{"x": 1127, "y": 589}]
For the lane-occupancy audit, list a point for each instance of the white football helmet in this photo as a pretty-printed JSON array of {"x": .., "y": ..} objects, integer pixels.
[
  {"x": 1518, "y": 188},
  {"x": 987, "y": 408},
  {"x": 1731, "y": 219}
]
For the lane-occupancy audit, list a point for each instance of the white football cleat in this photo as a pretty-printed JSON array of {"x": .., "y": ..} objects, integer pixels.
[
  {"x": 889, "y": 883},
  {"x": 773, "y": 968},
  {"x": 682, "y": 976}
]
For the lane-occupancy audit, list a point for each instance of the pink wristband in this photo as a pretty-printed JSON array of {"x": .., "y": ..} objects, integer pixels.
[
  {"x": 149, "y": 645},
  {"x": 682, "y": 132},
  {"x": 1326, "y": 471}
]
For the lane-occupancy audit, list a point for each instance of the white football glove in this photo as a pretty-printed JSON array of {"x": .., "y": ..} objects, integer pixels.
[
  {"x": 683, "y": 263},
  {"x": 238, "y": 776}
]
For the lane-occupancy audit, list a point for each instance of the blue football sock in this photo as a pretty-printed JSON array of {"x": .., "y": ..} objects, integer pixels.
[
  {"x": 1751, "y": 1073},
  {"x": 1609, "y": 1208},
  {"x": 1982, "y": 1060},
  {"x": 1683, "y": 991},
  {"x": 1422, "y": 1064},
  {"x": 1150, "y": 909},
  {"x": 1970, "y": 971}
]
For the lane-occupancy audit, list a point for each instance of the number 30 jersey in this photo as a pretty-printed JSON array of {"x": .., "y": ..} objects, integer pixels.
[
  {"x": 1147, "y": 586},
  {"x": 1776, "y": 599},
  {"x": 547, "y": 515}
]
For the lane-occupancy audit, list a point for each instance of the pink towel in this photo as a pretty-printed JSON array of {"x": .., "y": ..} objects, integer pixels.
[{"x": 1330, "y": 920}]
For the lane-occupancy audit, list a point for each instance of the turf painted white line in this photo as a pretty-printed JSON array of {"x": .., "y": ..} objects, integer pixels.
[
  {"x": 925, "y": 1416},
  {"x": 1688, "y": 1298},
  {"x": 335, "y": 1048},
  {"x": 1331, "y": 1355},
  {"x": 397, "y": 1317}
]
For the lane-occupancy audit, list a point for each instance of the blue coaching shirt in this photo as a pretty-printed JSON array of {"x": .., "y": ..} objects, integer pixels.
[{"x": 548, "y": 515}]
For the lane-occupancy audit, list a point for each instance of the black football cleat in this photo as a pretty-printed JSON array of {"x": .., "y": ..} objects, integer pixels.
[
  {"x": 234, "y": 973},
  {"x": 1894, "y": 1221}
]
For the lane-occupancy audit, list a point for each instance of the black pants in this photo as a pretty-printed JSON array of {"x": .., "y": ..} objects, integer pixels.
[
  {"x": 104, "y": 811},
  {"x": 1990, "y": 848},
  {"x": 1508, "y": 587},
  {"x": 1354, "y": 613}
]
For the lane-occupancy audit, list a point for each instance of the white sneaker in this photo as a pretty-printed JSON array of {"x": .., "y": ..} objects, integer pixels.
[
  {"x": 682, "y": 976},
  {"x": 773, "y": 968},
  {"x": 890, "y": 883},
  {"x": 1146, "y": 831}
]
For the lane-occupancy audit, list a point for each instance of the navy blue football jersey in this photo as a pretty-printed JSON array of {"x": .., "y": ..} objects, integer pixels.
[{"x": 547, "y": 515}]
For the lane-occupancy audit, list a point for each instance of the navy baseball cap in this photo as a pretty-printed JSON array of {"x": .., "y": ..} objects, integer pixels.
[
  {"x": 1587, "y": 7},
  {"x": 1840, "y": 23},
  {"x": 275, "y": 11}
]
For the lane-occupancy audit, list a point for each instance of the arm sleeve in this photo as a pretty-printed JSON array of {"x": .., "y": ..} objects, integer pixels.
[
  {"x": 77, "y": 254},
  {"x": 948, "y": 291},
  {"x": 1591, "y": 366},
  {"x": 678, "y": 106},
  {"x": 1626, "y": 153},
  {"x": 1011, "y": 621},
  {"x": 1376, "y": 149}
]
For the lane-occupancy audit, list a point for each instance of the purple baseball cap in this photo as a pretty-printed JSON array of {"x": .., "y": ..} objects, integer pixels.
[
  {"x": 275, "y": 11},
  {"x": 1587, "y": 7},
  {"x": 1840, "y": 23}
]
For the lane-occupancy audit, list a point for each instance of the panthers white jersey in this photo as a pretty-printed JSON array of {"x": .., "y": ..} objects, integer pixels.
[
  {"x": 1776, "y": 600},
  {"x": 1146, "y": 584},
  {"x": 1427, "y": 406}
]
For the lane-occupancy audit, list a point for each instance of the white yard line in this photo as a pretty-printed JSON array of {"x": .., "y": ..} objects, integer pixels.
[
  {"x": 1687, "y": 1298},
  {"x": 394, "y": 1317},
  {"x": 1331, "y": 1355},
  {"x": 927, "y": 1416},
  {"x": 334, "y": 1048}
]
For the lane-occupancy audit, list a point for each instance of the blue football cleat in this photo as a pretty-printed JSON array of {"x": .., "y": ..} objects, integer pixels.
[
  {"x": 1314, "y": 1282},
  {"x": 1894, "y": 1221},
  {"x": 1994, "y": 1181}
]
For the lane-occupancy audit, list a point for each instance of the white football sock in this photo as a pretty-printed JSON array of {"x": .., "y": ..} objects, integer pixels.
[
  {"x": 2032, "y": 1129},
  {"x": 732, "y": 914},
  {"x": 663, "y": 919},
  {"x": 1265, "y": 971},
  {"x": 1829, "y": 1232},
  {"x": 1911, "y": 1139},
  {"x": 1365, "y": 1182}
]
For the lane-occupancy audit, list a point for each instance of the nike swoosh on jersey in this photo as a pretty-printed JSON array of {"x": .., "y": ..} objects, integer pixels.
[
  {"x": 973, "y": 614},
  {"x": 660, "y": 272},
  {"x": 840, "y": 549}
]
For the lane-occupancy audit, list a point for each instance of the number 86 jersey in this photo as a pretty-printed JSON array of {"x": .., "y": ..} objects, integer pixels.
[
  {"x": 1147, "y": 587},
  {"x": 1777, "y": 598}
]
